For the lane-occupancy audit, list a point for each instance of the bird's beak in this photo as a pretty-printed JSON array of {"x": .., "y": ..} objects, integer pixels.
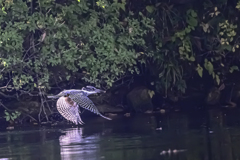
[{"x": 101, "y": 91}]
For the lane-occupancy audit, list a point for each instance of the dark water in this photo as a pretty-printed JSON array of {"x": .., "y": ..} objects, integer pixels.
[{"x": 211, "y": 136}]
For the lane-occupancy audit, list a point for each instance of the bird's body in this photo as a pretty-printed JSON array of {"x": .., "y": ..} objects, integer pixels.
[
  {"x": 70, "y": 100},
  {"x": 69, "y": 110}
]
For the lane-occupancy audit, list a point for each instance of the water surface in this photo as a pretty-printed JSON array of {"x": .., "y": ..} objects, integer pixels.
[{"x": 215, "y": 136}]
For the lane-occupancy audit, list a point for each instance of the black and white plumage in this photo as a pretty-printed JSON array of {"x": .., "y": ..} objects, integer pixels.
[
  {"x": 69, "y": 110},
  {"x": 70, "y": 100}
]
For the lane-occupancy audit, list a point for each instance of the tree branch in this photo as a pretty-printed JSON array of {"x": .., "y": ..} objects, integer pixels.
[
  {"x": 6, "y": 96},
  {"x": 6, "y": 85}
]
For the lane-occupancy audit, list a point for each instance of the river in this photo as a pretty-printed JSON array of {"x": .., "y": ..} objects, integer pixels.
[{"x": 214, "y": 135}]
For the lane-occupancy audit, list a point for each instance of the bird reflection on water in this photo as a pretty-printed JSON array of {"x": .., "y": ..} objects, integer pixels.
[{"x": 73, "y": 145}]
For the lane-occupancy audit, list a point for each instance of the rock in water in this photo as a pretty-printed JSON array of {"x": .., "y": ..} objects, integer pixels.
[{"x": 139, "y": 99}]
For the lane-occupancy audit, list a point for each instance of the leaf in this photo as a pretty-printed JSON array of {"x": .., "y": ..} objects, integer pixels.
[
  {"x": 173, "y": 39},
  {"x": 122, "y": 6},
  {"x": 213, "y": 75},
  {"x": 6, "y": 113},
  {"x": 217, "y": 79},
  {"x": 211, "y": 14},
  {"x": 217, "y": 13},
  {"x": 233, "y": 68},
  {"x": 192, "y": 21},
  {"x": 151, "y": 93},
  {"x": 150, "y": 9},
  {"x": 192, "y": 59},
  {"x": 68, "y": 77},
  {"x": 227, "y": 47},
  {"x": 188, "y": 30},
  {"x": 205, "y": 27},
  {"x": 208, "y": 66},
  {"x": 200, "y": 70},
  {"x": 194, "y": 14},
  {"x": 7, "y": 118},
  {"x": 18, "y": 113}
]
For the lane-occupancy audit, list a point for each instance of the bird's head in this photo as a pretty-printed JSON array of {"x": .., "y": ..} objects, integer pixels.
[{"x": 92, "y": 90}]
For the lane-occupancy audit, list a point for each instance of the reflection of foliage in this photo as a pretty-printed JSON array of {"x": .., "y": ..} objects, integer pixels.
[{"x": 11, "y": 116}]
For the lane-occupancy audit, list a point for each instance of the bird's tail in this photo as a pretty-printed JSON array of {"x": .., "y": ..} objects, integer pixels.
[
  {"x": 105, "y": 117},
  {"x": 79, "y": 121}
]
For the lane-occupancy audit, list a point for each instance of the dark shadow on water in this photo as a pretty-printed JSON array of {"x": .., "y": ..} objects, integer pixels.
[{"x": 212, "y": 135}]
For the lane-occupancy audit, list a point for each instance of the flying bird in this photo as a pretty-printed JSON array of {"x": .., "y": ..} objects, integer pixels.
[{"x": 69, "y": 101}]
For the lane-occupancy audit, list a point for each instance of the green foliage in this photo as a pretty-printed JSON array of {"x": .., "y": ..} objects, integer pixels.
[
  {"x": 76, "y": 36},
  {"x": 106, "y": 40},
  {"x": 11, "y": 116},
  {"x": 185, "y": 48}
]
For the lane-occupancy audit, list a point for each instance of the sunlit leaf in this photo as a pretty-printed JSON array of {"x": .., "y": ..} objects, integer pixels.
[{"x": 200, "y": 70}]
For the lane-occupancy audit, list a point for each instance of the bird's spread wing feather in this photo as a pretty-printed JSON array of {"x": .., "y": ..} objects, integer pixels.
[
  {"x": 68, "y": 111},
  {"x": 86, "y": 103}
]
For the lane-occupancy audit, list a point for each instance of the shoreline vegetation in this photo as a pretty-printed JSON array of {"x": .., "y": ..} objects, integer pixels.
[{"x": 149, "y": 56}]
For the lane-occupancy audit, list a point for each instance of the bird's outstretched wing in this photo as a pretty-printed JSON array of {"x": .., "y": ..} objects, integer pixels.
[
  {"x": 69, "y": 111},
  {"x": 86, "y": 103}
]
